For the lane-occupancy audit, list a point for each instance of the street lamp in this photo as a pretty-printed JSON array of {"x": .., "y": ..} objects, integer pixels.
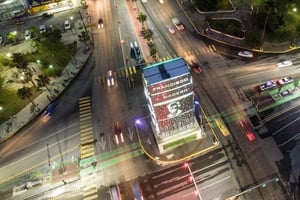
[{"x": 192, "y": 178}]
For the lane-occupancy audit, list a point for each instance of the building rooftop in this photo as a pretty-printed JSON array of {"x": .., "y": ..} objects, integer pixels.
[{"x": 165, "y": 70}]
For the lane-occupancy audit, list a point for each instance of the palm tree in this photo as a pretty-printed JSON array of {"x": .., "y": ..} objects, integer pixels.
[
  {"x": 25, "y": 93},
  {"x": 142, "y": 18},
  {"x": 21, "y": 63},
  {"x": 43, "y": 81}
]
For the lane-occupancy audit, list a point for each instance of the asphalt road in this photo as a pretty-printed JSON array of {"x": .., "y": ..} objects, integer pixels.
[{"x": 123, "y": 104}]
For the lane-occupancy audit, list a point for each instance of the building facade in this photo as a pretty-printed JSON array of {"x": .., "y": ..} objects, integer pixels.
[{"x": 168, "y": 89}]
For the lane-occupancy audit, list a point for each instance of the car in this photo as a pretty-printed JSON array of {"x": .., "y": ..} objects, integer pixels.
[
  {"x": 67, "y": 25},
  {"x": 267, "y": 85},
  {"x": 42, "y": 29},
  {"x": 47, "y": 15},
  {"x": 118, "y": 134},
  {"x": 246, "y": 128},
  {"x": 27, "y": 35},
  {"x": 197, "y": 69},
  {"x": 50, "y": 108},
  {"x": 100, "y": 23},
  {"x": 110, "y": 78},
  {"x": 177, "y": 24},
  {"x": 135, "y": 50},
  {"x": 284, "y": 63},
  {"x": 19, "y": 22},
  {"x": 171, "y": 29},
  {"x": 246, "y": 54},
  {"x": 285, "y": 80}
]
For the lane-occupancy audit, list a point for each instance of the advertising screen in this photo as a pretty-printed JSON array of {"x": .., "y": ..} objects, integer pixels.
[
  {"x": 175, "y": 114},
  {"x": 171, "y": 94},
  {"x": 169, "y": 84}
]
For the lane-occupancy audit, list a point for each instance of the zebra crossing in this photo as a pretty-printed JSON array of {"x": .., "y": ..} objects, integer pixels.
[
  {"x": 126, "y": 72},
  {"x": 91, "y": 193},
  {"x": 86, "y": 132},
  {"x": 203, "y": 50}
]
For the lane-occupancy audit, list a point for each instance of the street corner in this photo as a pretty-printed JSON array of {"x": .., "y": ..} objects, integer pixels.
[{"x": 65, "y": 173}]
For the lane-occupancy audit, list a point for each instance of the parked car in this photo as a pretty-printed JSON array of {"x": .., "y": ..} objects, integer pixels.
[
  {"x": 247, "y": 130},
  {"x": 285, "y": 80},
  {"x": 118, "y": 134},
  {"x": 267, "y": 85},
  {"x": 246, "y": 54},
  {"x": 47, "y": 15},
  {"x": 42, "y": 29},
  {"x": 27, "y": 35},
  {"x": 67, "y": 25},
  {"x": 284, "y": 63},
  {"x": 19, "y": 22}
]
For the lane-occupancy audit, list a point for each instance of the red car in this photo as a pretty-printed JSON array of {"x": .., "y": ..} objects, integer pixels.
[
  {"x": 118, "y": 134},
  {"x": 246, "y": 128},
  {"x": 197, "y": 69}
]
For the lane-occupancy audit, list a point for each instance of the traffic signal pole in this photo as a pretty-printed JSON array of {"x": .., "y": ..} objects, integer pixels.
[{"x": 190, "y": 171}]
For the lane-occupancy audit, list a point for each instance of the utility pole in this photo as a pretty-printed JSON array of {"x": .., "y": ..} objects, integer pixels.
[
  {"x": 193, "y": 179},
  {"x": 49, "y": 158}
]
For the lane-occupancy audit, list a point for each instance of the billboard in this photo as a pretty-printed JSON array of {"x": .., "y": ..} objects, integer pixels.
[
  {"x": 169, "y": 84},
  {"x": 172, "y": 94},
  {"x": 176, "y": 114}
]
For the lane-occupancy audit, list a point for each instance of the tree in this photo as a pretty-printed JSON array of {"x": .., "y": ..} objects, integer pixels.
[
  {"x": 43, "y": 81},
  {"x": 25, "y": 93},
  {"x": 142, "y": 18},
  {"x": 84, "y": 36},
  {"x": 20, "y": 62}
]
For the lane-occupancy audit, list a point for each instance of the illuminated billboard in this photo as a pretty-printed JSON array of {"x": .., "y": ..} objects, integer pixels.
[{"x": 170, "y": 92}]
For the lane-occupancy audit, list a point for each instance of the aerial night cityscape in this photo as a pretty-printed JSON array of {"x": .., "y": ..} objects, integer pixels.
[{"x": 149, "y": 99}]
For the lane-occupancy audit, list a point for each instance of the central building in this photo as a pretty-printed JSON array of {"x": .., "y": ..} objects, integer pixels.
[{"x": 168, "y": 88}]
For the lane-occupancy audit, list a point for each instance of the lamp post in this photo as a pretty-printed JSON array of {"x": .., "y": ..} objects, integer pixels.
[{"x": 193, "y": 179}]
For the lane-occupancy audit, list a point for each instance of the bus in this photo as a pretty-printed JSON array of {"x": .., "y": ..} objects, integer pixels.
[{"x": 137, "y": 192}]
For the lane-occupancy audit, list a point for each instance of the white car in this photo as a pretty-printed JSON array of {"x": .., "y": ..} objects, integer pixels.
[
  {"x": 42, "y": 29},
  {"x": 284, "y": 63},
  {"x": 285, "y": 80},
  {"x": 246, "y": 54},
  {"x": 110, "y": 78},
  {"x": 67, "y": 25},
  {"x": 267, "y": 85},
  {"x": 27, "y": 35},
  {"x": 171, "y": 29}
]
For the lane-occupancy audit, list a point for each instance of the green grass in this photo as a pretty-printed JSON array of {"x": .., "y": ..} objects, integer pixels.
[
  {"x": 179, "y": 142},
  {"x": 11, "y": 103},
  {"x": 230, "y": 27},
  {"x": 213, "y": 5}
]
